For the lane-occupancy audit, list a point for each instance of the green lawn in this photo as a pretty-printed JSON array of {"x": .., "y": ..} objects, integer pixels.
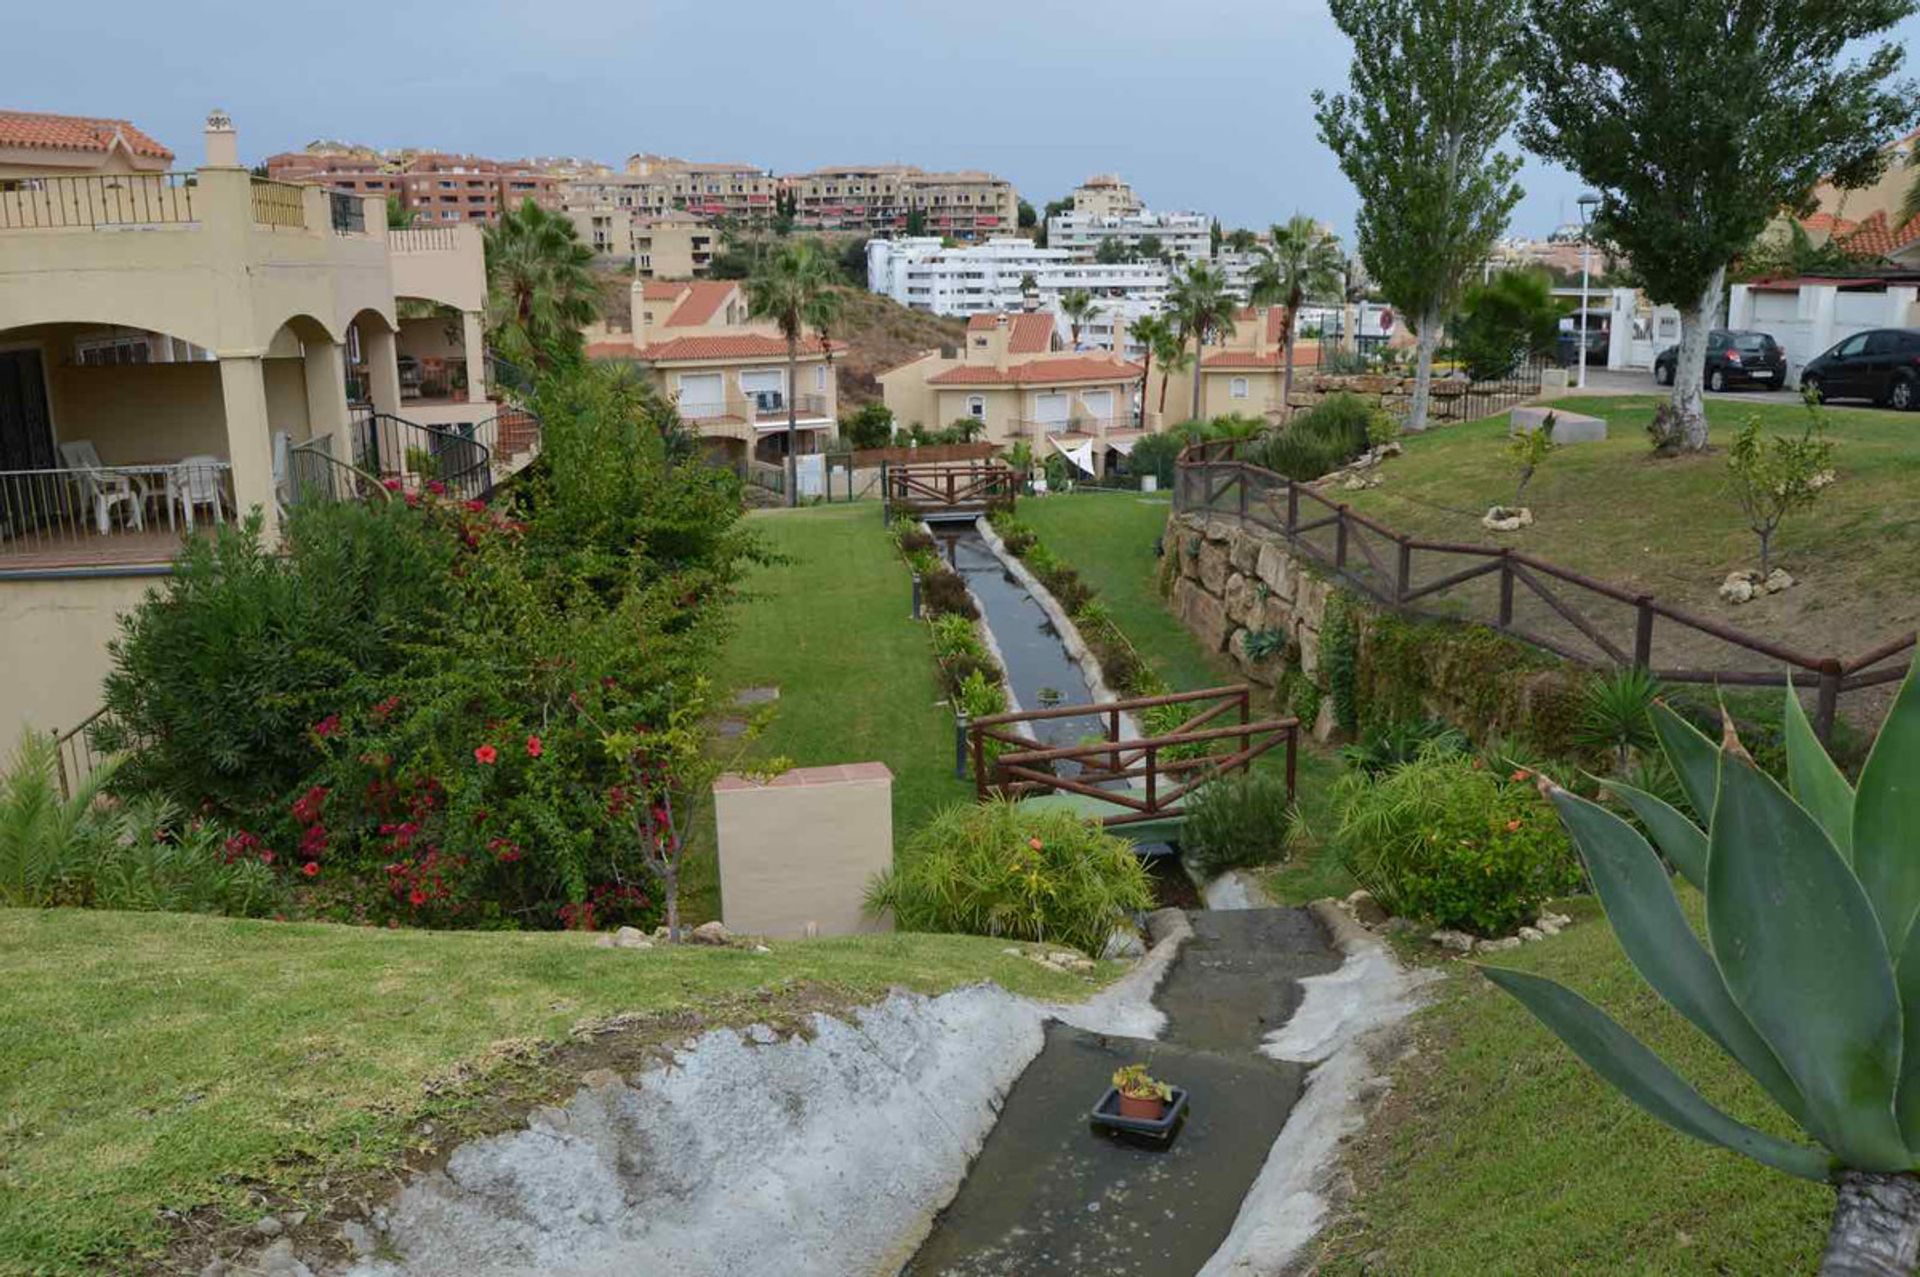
[
  {"x": 831, "y": 627},
  {"x": 153, "y": 1061},
  {"x": 1497, "y": 1151},
  {"x": 1670, "y": 527},
  {"x": 1109, "y": 538}
]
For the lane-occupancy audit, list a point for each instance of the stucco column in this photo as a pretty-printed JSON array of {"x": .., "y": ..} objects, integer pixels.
[
  {"x": 1740, "y": 308},
  {"x": 473, "y": 341},
  {"x": 326, "y": 370},
  {"x": 243, "y": 391},
  {"x": 383, "y": 368}
]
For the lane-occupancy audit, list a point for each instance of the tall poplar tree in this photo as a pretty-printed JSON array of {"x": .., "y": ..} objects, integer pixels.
[{"x": 1431, "y": 93}]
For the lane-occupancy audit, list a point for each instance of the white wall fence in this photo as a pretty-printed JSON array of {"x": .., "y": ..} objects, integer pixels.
[{"x": 1808, "y": 319}]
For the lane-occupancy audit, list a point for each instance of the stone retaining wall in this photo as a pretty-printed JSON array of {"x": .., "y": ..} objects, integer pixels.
[{"x": 1395, "y": 394}]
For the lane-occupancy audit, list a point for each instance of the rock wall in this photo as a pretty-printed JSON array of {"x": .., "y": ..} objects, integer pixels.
[
  {"x": 1227, "y": 582},
  {"x": 1393, "y": 393}
]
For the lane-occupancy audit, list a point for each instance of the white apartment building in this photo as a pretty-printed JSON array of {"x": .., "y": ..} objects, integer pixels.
[
  {"x": 1186, "y": 236},
  {"x": 922, "y": 273}
]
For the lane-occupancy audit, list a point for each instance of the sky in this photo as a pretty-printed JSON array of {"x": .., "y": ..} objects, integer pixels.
[{"x": 1200, "y": 106}]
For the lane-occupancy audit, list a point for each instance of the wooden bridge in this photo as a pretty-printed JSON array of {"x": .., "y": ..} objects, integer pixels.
[{"x": 948, "y": 490}]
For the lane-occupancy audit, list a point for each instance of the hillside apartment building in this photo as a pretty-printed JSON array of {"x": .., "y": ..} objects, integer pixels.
[
  {"x": 924, "y": 273},
  {"x": 439, "y": 189},
  {"x": 726, "y": 371},
  {"x": 178, "y": 349}
]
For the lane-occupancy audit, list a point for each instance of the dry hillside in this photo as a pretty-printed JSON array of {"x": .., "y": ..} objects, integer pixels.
[{"x": 882, "y": 334}]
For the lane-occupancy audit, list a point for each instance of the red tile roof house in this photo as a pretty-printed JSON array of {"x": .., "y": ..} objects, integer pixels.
[
  {"x": 1012, "y": 377},
  {"x": 727, "y": 371},
  {"x": 34, "y": 143}
]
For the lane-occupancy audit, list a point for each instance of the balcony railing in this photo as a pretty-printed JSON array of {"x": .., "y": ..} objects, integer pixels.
[
  {"x": 772, "y": 406},
  {"x": 423, "y": 239},
  {"x": 88, "y": 515},
  {"x": 279, "y": 205},
  {"x": 1079, "y": 424},
  {"x": 96, "y": 200},
  {"x": 348, "y": 213}
]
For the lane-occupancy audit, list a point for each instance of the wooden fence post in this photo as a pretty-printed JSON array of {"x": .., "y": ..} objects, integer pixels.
[
  {"x": 1246, "y": 739},
  {"x": 1829, "y": 700},
  {"x": 979, "y": 763},
  {"x": 1404, "y": 578},
  {"x": 1643, "y": 632},
  {"x": 1340, "y": 538},
  {"x": 1293, "y": 508},
  {"x": 1506, "y": 589},
  {"x": 1243, "y": 496},
  {"x": 1293, "y": 736}
]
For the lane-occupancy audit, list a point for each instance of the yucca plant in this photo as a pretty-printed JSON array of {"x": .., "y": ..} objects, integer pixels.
[
  {"x": 1809, "y": 973},
  {"x": 1614, "y": 714}
]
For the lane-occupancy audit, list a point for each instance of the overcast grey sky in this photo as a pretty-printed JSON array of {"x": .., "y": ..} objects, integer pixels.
[{"x": 1201, "y": 106}]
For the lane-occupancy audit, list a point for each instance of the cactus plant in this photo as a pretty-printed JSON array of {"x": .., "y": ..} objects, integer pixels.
[{"x": 1808, "y": 975}]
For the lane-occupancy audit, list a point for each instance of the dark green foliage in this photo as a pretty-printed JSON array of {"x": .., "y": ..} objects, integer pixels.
[
  {"x": 945, "y": 594},
  {"x": 869, "y": 426},
  {"x": 915, "y": 540},
  {"x": 1505, "y": 321},
  {"x": 1004, "y": 869},
  {"x": 1156, "y": 454},
  {"x": 1318, "y": 441},
  {"x": 1448, "y": 840},
  {"x": 1613, "y": 715},
  {"x": 1389, "y": 747},
  {"x": 1235, "y": 821},
  {"x": 1340, "y": 659},
  {"x": 1267, "y": 645}
]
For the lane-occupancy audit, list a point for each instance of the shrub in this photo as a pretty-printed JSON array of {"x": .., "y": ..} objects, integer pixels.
[
  {"x": 1004, "y": 869},
  {"x": 89, "y": 852},
  {"x": 1397, "y": 743},
  {"x": 1237, "y": 820},
  {"x": 943, "y": 593},
  {"x": 1450, "y": 840},
  {"x": 870, "y": 426},
  {"x": 980, "y": 694},
  {"x": 1156, "y": 454},
  {"x": 1320, "y": 440},
  {"x": 1504, "y": 321},
  {"x": 955, "y": 636},
  {"x": 1614, "y": 715}
]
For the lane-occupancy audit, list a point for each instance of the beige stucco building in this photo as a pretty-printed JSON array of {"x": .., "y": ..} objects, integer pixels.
[
  {"x": 174, "y": 349},
  {"x": 727, "y": 371},
  {"x": 1241, "y": 373},
  {"x": 1013, "y": 378}
]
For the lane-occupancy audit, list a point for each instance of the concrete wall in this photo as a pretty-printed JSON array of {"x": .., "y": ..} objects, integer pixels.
[
  {"x": 53, "y": 642},
  {"x": 445, "y": 264},
  {"x": 797, "y": 851},
  {"x": 141, "y": 413}
]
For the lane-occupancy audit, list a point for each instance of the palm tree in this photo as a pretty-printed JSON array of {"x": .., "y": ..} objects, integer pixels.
[
  {"x": 1203, "y": 308},
  {"x": 1301, "y": 260},
  {"x": 1171, "y": 350},
  {"x": 1151, "y": 331},
  {"x": 1077, "y": 305},
  {"x": 540, "y": 286},
  {"x": 794, "y": 288}
]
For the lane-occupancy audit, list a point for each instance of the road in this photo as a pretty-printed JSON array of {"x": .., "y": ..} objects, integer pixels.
[{"x": 1639, "y": 381}]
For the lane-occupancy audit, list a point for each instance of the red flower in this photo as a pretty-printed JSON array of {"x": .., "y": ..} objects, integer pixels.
[
  {"x": 476, "y": 507},
  {"x": 486, "y": 755},
  {"x": 436, "y": 487},
  {"x": 391, "y": 485},
  {"x": 534, "y": 747},
  {"x": 386, "y": 707},
  {"x": 1035, "y": 843},
  {"x": 1520, "y": 774},
  {"x": 417, "y": 897},
  {"x": 1513, "y": 826},
  {"x": 310, "y": 869},
  {"x": 328, "y": 726}
]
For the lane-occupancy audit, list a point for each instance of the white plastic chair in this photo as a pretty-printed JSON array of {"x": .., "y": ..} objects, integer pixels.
[
  {"x": 105, "y": 492},
  {"x": 196, "y": 482}
]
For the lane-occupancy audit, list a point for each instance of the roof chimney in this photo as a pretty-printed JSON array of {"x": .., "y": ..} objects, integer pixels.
[{"x": 223, "y": 144}]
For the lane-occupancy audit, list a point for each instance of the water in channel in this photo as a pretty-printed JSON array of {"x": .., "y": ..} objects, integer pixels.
[{"x": 1039, "y": 671}]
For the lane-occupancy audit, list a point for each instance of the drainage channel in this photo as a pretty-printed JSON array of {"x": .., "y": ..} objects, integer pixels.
[{"x": 1048, "y": 1194}]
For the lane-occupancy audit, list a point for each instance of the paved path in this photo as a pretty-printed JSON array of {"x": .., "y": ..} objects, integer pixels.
[{"x": 1049, "y": 1195}]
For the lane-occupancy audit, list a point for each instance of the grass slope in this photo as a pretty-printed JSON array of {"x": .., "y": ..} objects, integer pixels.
[
  {"x": 153, "y": 1061},
  {"x": 1670, "y": 527},
  {"x": 1109, "y": 538},
  {"x": 1499, "y": 1151},
  {"x": 831, "y": 627}
]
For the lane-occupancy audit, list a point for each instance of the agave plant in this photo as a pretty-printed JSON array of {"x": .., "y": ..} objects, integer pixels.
[{"x": 1809, "y": 973}]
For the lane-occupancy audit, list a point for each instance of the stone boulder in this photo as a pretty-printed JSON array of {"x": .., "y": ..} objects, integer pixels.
[
  {"x": 1214, "y": 567},
  {"x": 1204, "y": 614},
  {"x": 1241, "y": 599}
]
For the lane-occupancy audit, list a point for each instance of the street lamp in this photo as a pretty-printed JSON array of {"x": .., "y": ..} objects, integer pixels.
[{"x": 1587, "y": 202}]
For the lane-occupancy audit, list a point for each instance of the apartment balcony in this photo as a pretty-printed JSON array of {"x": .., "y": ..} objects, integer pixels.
[{"x": 1078, "y": 426}]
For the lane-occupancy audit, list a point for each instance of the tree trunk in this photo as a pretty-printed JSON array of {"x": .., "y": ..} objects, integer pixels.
[
  {"x": 670, "y": 888},
  {"x": 1690, "y": 366},
  {"x": 1766, "y": 553},
  {"x": 1423, "y": 370},
  {"x": 1164, "y": 374},
  {"x": 1286, "y": 337},
  {"x": 1876, "y": 1226},
  {"x": 1199, "y": 349},
  {"x": 793, "y": 420},
  {"x": 1146, "y": 375}
]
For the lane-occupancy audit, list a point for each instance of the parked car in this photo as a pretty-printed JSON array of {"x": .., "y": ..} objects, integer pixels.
[
  {"x": 1593, "y": 326},
  {"x": 1735, "y": 357},
  {"x": 1881, "y": 365}
]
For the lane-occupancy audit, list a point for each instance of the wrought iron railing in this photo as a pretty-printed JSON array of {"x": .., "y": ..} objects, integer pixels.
[
  {"x": 348, "y": 212},
  {"x": 92, "y": 201},
  {"x": 108, "y": 514},
  {"x": 410, "y": 456},
  {"x": 279, "y": 205},
  {"x": 315, "y": 474}
]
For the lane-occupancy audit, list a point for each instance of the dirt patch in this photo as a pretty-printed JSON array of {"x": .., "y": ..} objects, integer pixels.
[
  {"x": 486, "y": 1096},
  {"x": 1172, "y": 888}
]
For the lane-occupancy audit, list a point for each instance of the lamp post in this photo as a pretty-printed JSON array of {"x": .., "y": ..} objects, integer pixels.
[{"x": 1588, "y": 202}]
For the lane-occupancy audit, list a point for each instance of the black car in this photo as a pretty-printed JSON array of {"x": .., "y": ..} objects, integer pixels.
[
  {"x": 1882, "y": 364},
  {"x": 1735, "y": 357}
]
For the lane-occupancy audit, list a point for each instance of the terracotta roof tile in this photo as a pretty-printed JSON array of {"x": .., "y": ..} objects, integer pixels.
[
  {"x": 662, "y": 290},
  {"x": 1305, "y": 355},
  {"x": 39, "y": 131},
  {"x": 704, "y": 298},
  {"x": 726, "y": 346},
  {"x": 1874, "y": 238},
  {"x": 1064, "y": 368}
]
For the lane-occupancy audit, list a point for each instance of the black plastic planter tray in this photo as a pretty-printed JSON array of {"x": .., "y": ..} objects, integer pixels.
[{"x": 1106, "y": 1115}]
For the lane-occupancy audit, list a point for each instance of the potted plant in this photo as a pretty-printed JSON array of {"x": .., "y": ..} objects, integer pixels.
[{"x": 1141, "y": 1095}]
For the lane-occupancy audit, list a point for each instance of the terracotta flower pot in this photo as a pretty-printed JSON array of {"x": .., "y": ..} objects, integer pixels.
[{"x": 1147, "y": 1108}]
